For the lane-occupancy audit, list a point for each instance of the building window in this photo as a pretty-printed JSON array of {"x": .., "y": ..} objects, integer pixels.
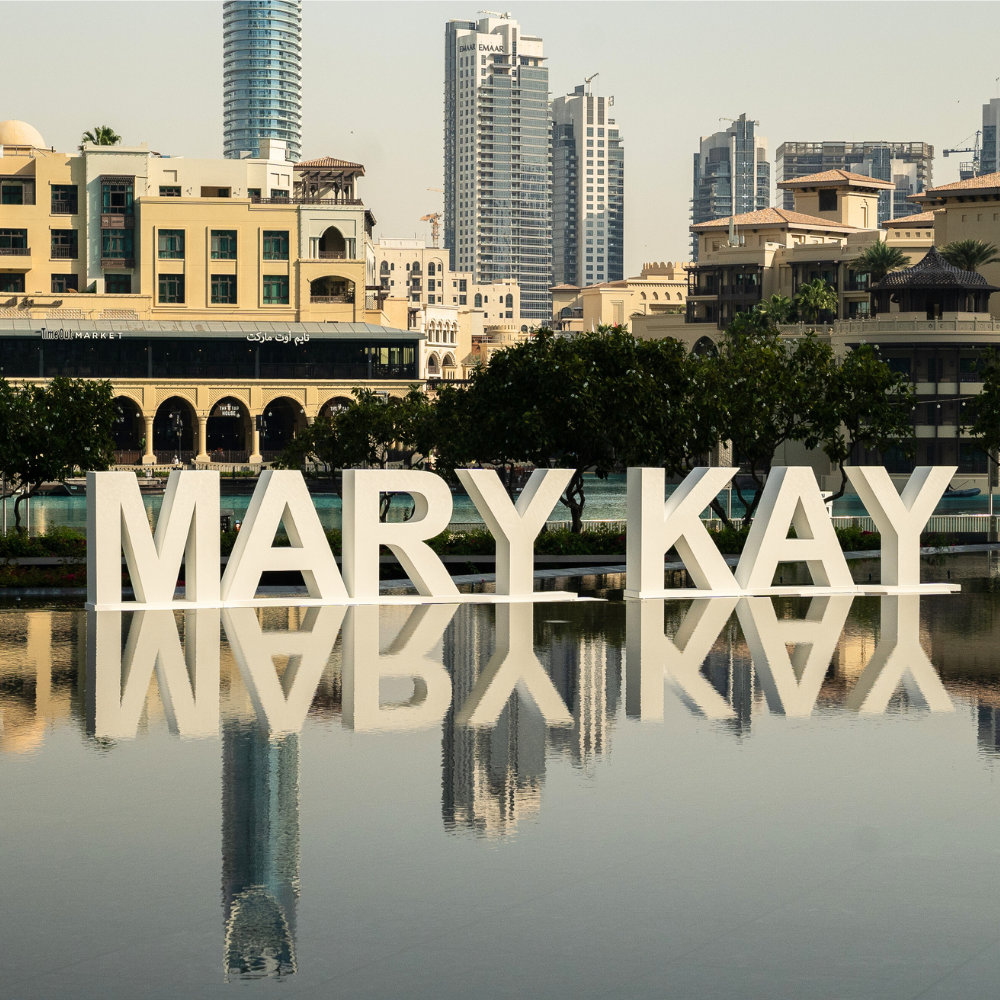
[
  {"x": 224, "y": 289},
  {"x": 170, "y": 244},
  {"x": 64, "y": 199},
  {"x": 17, "y": 192},
  {"x": 13, "y": 239},
  {"x": 116, "y": 244},
  {"x": 214, "y": 192},
  {"x": 828, "y": 201},
  {"x": 253, "y": 194},
  {"x": 117, "y": 196},
  {"x": 430, "y": 268},
  {"x": 118, "y": 284},
  {"x": 279, "y": 193},
  {"x": 223, "y": 244},
  {"x": 64, "y": 244},
  {"x": 462, "y": 282},
  {"x": 276, "y": 289},
  {"x": 171, "y": 288},
  {"x": 430, "y": 300},
  {"x": 510, "y": 302},
  {"x": 461, "y": 300},
  {"x": 275, "y": 244},
  {"x": 170, "y": 191},
  {"x": 12, "y": 283},
  {"x": 65, "y": 283}
]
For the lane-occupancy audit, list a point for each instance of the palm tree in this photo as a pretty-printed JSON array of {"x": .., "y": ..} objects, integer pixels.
[
  {"x": 814, "y": 298},
  {"x": 102, "y": 135},
  {"x": 970, "y": 255},
  {"x": 778, "y": 309},
  {"x": 878, "y": 260}
]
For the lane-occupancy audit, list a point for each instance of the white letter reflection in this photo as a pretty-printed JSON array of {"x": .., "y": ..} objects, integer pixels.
[
  {"x": 118, "y": 680},
  {"x": 792, "y": 683},
  {"x": 513, "y": 665},
  {"x": 650, "y": 657},
  {"x": 408, "y": 656},
  {"x": 899, "y": 657},
  {"x": 282, "y": 705}
]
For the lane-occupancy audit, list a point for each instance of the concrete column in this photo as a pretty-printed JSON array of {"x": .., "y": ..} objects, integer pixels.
[
  {"x": 149, "y": 458},
  {"x": 202, "y": 455},
  {"x": 255, "y": 456}
]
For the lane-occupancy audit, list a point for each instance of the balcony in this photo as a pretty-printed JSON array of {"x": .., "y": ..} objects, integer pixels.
[
  {"x": 15, "y": 251},
  {"x": 64, "y": 253},
  {"x": 65, "y": 208},
  {"x": 117, "y": 221},
  {"x": 117, "y": 262},
  {"x": 306, "y": 201},
  {"x": 331, "y": 300},
  {"x": 331, "y": 255}
]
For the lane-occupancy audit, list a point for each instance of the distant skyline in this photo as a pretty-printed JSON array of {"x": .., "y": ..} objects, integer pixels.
[{"x": 373, "y": 85}]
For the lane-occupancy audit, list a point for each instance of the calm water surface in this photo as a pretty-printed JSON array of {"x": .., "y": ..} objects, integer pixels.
[{"x": 693, "y": 799}]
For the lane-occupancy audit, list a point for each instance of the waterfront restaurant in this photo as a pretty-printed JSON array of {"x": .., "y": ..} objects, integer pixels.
[{"x": 223, "y": 391}]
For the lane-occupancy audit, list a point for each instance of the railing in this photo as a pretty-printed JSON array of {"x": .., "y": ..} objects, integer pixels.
[
  {"x": 127, "y": 262},
  {"x": 126, "y": 456},
  {"x": 332, "y": 299},
  {"x": 64, "y": 253},
  {"x": 15, "y": 251},
  {"x": 65, "y": 208},
  {"x": 229, "y": 457},
  {"x": 332, "y": 255},
  {"x": 306, "y": 201}
]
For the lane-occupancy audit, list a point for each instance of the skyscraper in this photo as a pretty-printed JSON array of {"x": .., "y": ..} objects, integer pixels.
[
  {"x": 497, "y": 161},
  {"x": 909, "y": 165},
  {"x": 262, "y": 52},
  {"x": 588, "y": 191},
  {"x": 731, "y": 175},
  {"x": 990, "y": 161}
]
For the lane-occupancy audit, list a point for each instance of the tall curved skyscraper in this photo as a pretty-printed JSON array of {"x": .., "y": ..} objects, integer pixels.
[{"x": 262, "y": 52}]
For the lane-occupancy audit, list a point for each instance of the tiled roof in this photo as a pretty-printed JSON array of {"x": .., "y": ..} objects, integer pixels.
[
  {"x": 837, "y": 178},
  {"x": 330, "y": 162},
  {"x": 933, "y": 271},
  {"x": 772, "y": 217},
  {"x": 973, "y": 183},
  {"x": 918, "y": 220}
]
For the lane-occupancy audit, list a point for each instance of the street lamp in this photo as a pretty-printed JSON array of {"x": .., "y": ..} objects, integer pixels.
[{"x": 177, "y": 420}]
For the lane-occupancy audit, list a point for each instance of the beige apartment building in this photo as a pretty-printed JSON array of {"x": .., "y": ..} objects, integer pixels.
[
  {"x": 659, "y": 290},
  {"x": 228, "y": 301}
]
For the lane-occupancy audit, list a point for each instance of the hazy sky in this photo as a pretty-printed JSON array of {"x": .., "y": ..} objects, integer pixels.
[{"x": 374, "y": 77}]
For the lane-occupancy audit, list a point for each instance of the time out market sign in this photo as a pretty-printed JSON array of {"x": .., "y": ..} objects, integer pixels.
[{"x": 187, "y": 532}]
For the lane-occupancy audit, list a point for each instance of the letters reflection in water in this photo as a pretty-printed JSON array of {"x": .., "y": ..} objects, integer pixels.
[
  {"x": 789, "y": 657},
  {"x": 513, "y": 687}
]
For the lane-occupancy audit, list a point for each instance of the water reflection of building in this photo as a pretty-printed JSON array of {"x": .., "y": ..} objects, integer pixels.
[
  {"x": 492, "y": 776},
  {"x": 729, "y": 670},
  {"x": 260, "y": 849}
]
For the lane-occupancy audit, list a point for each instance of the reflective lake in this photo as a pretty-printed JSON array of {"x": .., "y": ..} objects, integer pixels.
[{"x": 763, "y": 798}]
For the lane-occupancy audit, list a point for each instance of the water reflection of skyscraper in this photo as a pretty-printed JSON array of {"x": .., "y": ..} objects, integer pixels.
[
  {"x": 492, "y": 775},
  {"x": 260, "y": 849}
]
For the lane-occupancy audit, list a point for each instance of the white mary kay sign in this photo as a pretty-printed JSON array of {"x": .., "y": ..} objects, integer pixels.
[{"x": 187, "y": 531}]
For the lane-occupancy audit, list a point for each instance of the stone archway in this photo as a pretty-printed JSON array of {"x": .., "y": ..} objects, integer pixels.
[
  {"x": 175, "y": 427},
  {"x": 281, "y": 419},
  {"x": 332, "y": 245},
  {"x": 129, "y": 431},
  {"x": 331, "y": 289},
  {"x": 228, "y": 431},
  {"x": 335, "y": 405}
]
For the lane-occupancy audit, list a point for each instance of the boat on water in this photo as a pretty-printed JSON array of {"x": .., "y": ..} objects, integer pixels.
[{"x": 952, "y": 494}]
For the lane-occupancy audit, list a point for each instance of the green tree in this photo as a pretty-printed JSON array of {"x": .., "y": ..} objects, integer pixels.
[
  {"x": 970, "y": 255},
  {"x": 100, "y": 135},
  {"x": 878, "y": 259},
  {"x": 778, "y": 309},
  {"x": 815, "y": 298},
  {"x": 983, "y": 411},
  {"x": 47, "y": 432},
  {"x": 862, "y": 402},
  {"x": 762, "y": 389}
]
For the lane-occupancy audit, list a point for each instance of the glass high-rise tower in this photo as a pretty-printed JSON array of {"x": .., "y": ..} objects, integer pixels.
[
  {"x": 262, "y": 51},
  {"x": 497, "y": 158}
]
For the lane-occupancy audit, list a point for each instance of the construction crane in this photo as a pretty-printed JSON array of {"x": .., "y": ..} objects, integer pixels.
[
  {"x": 588, "y": 79},
  {"x": 967, "y": 170},
  {"x": 435, "y": 220}
]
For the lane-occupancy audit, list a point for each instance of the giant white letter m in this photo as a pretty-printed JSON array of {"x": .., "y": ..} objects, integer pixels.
[{"x": 187, "y": 531}]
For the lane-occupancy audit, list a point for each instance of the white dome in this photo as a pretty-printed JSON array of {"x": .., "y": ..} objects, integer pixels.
[{"x": 15, "y": 133}]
